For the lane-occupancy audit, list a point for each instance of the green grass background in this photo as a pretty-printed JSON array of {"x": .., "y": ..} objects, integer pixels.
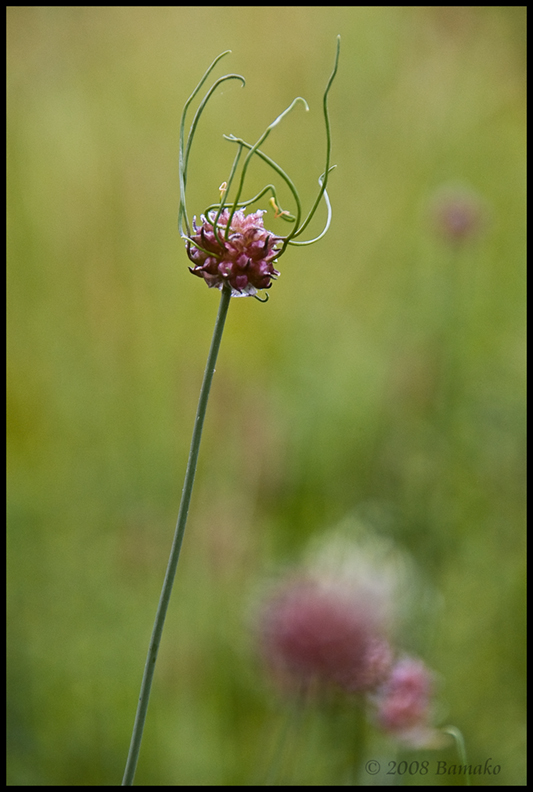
[{"x": 384, "y": 380}]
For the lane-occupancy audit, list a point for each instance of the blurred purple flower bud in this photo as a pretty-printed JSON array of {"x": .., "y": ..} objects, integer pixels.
[
  {"x": 404, "y": 703},
  {"x": 458, "y": 214},
  {"x": 316, "y": 634}
]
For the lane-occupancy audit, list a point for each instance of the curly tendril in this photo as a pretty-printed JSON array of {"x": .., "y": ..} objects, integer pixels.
[{"x": 232, "y": 253}]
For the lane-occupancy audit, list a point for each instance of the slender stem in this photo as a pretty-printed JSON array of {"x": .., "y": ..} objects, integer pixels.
[
  {"x": 461, "y": 748},
  {"x": 166, "y": 591},
  {"x": 327, "y": 169},
  {"x": 292, "y": 725}
]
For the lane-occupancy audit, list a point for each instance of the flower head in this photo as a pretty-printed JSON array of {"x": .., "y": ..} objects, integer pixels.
[
  {"x": 404, "y": 703},
  {"x": 241, "y": 255},
  {"x": 311, "y": 633}
]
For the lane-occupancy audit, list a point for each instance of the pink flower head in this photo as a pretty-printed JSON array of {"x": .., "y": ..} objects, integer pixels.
[
  {"x": 404, "y": 702},
  {"x": 314, "y": 633},
  {"x": 241, "y": 257}
]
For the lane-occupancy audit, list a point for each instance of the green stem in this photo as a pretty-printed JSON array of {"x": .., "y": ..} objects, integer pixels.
[
  {"x": 461, "y": 748},
  {"x": 166, "y": 591},
  {"x": 291, "y": 726}
]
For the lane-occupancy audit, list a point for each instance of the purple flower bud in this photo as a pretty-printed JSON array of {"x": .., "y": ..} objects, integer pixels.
[
  {"x": 242, "y": 258},
  {"x": 404, "y": 703},
  {"x": 458, "y": 214},
  {"x": 316, "y": 634}
]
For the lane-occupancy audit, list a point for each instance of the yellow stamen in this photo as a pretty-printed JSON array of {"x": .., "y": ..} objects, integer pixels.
[{"x": 277, "y": 211}]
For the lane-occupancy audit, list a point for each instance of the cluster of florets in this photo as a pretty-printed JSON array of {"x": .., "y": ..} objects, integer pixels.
[
  {"x": 404, "y": 703},
  {"x": 322, "y": 630},
  {"x": 313, "y": 634},
  {"x": 241, "y": 256}
]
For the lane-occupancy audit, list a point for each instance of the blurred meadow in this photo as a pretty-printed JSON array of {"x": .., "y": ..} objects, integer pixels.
[{"x": 382, "y": 384}]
